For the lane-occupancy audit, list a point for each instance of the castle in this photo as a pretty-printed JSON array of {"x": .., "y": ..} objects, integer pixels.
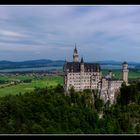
[{"x": 81, "y": 75}]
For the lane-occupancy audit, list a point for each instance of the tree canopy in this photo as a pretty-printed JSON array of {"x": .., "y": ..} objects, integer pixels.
[{"x": 50, "y": 111}]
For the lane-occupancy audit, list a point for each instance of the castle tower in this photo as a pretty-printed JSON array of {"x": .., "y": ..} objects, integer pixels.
[
  {"x": 125, "y": 72},
  {"x": 82, "y": 65},
  {"x": 75, "y": 55}
]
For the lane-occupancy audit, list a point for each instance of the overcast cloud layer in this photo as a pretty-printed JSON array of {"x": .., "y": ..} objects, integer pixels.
[{"x": 50, "y": 32}]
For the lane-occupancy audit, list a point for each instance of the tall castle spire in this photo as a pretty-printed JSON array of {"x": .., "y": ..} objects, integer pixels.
[
  {"x": 75, "y": 55},
  {"x": 75, "y": 49}
]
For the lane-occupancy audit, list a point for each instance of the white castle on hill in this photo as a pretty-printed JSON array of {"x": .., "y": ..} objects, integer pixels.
[{"x": 81, "y": 75}]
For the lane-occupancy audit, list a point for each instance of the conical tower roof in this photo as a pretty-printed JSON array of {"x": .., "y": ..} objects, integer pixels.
[
  {"x": 75, "y": 49},
  {"x": 82, "y": 60}
]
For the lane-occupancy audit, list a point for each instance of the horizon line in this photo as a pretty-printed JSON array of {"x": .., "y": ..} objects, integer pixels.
[{"x": 67, "y": 60}]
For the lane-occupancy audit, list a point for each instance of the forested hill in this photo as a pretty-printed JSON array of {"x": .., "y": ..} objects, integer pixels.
[
  {"x": 30, "y": 63},
  {"x": 50, "y": 111},
  {"x": 51, "y": 63}
]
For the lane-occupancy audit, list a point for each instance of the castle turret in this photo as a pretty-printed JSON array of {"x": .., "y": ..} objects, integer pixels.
[
  {"x": 82, "y": 65},
  {"x": 125, "y": 72},
  {"x": 75, "y": 55}
]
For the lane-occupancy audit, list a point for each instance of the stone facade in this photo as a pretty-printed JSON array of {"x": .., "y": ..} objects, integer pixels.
[
  {"x": 109, "y": 89},
  {"x": 81, "y": 75}
]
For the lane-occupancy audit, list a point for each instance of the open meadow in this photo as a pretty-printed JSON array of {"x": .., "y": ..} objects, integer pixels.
[
  {"x": 20, "y": 83},
  {"x": 26, "y": 83}
]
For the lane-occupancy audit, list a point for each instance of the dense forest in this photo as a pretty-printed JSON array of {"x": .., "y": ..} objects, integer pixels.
[{"x": 50, "y": 111}]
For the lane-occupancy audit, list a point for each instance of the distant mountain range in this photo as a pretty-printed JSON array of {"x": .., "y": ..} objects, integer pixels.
[
  {"x": 51, "y": 63},
  {"x": 112, "y": 62},
  {"x": 30, "y": 64}
]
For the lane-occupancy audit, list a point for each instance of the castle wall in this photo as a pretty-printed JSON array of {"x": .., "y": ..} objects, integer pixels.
[
  {"x": 82, "y": 80},
  {"x": 81, "y": 76},
  {"x": 87, "y": 80},
  {"x": 109, "y": 90}
]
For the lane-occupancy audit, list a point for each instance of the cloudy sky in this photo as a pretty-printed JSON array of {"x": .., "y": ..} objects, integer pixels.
[{"x": 50, "y": 32}]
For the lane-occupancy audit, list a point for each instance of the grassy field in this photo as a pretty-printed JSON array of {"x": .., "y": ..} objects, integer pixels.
[
  {"x": 43, "y": 81},
  {"x": 37, "y": 82}
]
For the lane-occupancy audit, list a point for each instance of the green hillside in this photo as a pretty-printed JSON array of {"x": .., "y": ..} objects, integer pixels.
[{"x": 49, "y": 111}]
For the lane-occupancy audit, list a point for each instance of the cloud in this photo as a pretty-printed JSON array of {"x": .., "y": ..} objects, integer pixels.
[
  {"x": 101, "y": 32},
  {"x": 10, "y": 33}
]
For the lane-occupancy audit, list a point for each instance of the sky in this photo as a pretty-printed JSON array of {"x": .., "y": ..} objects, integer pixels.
[{"x": 51, "y": 31}]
